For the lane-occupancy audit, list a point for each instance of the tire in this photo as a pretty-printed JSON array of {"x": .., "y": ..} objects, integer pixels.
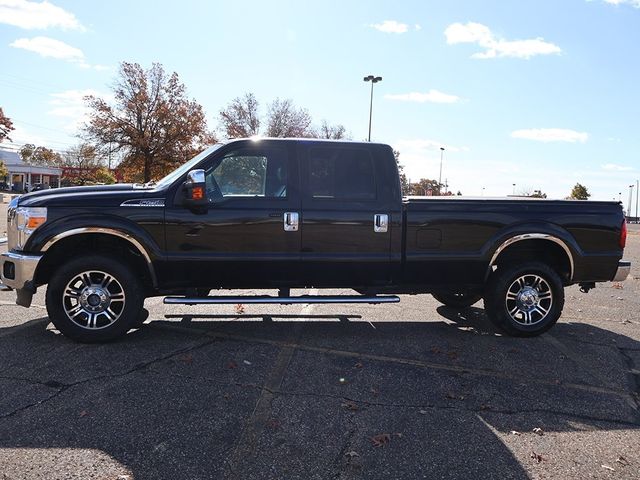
[
  {"x": 94, "y": 299},
  {"x": 457, "y": 300},
  {"x": 524, "y": 300}
]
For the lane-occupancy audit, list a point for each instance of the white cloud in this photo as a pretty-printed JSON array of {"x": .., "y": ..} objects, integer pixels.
[
  {"x": 551, "y": 135},
  {"x": 52, "y": 48},
  {"x": 497, "y": 47},
  {"x": 390, "y": 26},
  {"x": 614, "y": 167},
  {"x": 37, "y": 15},
  {"x": 21, "y": 136},
  {"x": 70, "y": 105},
  {"x": 432, "y": 96},
  {"x": 633, "y": 3},
  {"x": 421, "y": 145},
  {"x": 418, "y": 27},
  {"x": 49, "y": 47}
]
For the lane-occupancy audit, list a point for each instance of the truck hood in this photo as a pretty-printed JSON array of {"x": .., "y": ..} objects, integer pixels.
[{"x": 102, "y": 195}]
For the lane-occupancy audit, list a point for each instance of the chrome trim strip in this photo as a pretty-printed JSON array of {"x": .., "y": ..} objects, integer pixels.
[
  {"x": 624, "y": 269},
  {"x": 246, "y": 299},
  {"x": 532, "y": 236},
  {"x": 106, "y": 231},
  {"x": 144, "y": 202}
]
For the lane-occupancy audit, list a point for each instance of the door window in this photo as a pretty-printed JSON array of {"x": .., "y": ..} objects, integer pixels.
[
  {"x": 249, "y": 174},
  {"x": 341, "y": 173}
]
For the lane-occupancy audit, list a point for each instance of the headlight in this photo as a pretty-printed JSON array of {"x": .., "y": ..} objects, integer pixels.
[{"x": 23, "y": 221}]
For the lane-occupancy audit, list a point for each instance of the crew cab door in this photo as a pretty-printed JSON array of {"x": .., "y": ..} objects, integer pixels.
[
  {"x": 346, "y": 221},
  {"x": 248, "y": 236}
]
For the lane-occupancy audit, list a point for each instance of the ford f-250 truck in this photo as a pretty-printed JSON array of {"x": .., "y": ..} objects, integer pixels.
[{"x": 279, "y": 214}]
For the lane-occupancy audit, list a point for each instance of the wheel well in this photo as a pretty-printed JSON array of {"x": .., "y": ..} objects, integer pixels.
[
  {"x": 93, "y": 243},
  {"x": 539, "y": 250}
]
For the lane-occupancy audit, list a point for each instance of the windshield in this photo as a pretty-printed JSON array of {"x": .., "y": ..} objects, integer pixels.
[{"x": 183, "y": 169}]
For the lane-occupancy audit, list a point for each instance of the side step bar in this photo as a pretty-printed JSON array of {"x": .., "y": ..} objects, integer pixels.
[{"x": 281, "y": 300}]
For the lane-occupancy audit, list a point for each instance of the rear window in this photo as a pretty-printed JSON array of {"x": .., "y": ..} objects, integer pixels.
[{"x": 341, "y": 173}]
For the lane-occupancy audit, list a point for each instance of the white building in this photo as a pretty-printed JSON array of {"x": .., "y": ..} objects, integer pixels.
[{"x": 22, "y": 174}]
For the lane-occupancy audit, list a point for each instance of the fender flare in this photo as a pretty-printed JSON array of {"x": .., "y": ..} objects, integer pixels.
[{"x": 105, "y": 231}]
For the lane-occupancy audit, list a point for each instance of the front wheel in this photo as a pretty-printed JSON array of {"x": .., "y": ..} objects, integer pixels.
[
  {"x": 94, "y": 298},
  {"x": 524, "y": 300}
]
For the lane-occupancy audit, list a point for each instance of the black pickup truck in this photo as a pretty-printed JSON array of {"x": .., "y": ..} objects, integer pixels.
[{"x": 279, "y": 214}]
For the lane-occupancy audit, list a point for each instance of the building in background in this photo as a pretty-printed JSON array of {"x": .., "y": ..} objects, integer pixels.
[{"x": 23, "y": 176}]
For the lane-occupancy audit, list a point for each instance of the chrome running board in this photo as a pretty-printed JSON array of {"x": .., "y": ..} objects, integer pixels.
[{"x": 281, "y": 300}]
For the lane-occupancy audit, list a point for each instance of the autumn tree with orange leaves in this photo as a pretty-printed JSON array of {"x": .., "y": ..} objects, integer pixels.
[
  {"x": 6, "y": 125},
  {"x": 152, "y": 124}
]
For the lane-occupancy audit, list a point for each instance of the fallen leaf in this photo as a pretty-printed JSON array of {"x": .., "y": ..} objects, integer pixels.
[
  {"x": 381, "y": 439},
  {"x": 358, "y": 365},
  {"x": 539, "y": 431},
  {"x": 435, "y": 350},
  {"x": 515, "y": 432},
  {"x": 619, "y": 286},
  {"x": 622, "y": 461},
  {"x": 351, "y": 406},
  {"x": 453, "y": 355},
  {"x": 239, "y": 308},
  {"x": 351, "y": 454},
  {"x": 536, "y": 456},
  {"x": 232, "y": 364},
  {"x": 608, "y": 467},
  {"x": 512, "y": 350},
  {"x": 186, "y": 358},
  {"x": 83, "y": 413},
  {"x": 485, "y": 407}
]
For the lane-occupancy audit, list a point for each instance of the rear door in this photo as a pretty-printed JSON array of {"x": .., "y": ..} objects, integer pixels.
[{"x": 342, "y": 242}]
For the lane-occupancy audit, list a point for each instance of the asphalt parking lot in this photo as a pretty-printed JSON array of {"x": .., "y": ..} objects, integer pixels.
[{"x": 413, "y": 390}]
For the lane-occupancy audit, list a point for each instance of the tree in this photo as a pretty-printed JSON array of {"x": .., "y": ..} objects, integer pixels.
[
  {"x": 579, "y": 192},
  {"x": 152, "y": 123},
  {"x": 423, "y": 186},
  {"x": 240, "y": 119},
  {"x": 82, "y": 156},
  {"x": 6, "y": 126},
  {"x": 103, "y": 175},
  {"x": 538, "y": 194},
  {"x": 330, "y": 132},
  {"x": 3, "y": 170},
  {"x": 404, "y": 182},
  {"x": 284, "y": 119},
  {"x": 41, "y": 156}
]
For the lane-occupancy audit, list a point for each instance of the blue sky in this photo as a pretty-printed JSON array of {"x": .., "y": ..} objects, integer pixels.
[{"x": 540, "y": 93}]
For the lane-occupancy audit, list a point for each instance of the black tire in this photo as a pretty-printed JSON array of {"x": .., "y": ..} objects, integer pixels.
[
  {"x": 94, "y": 299},
  {"x": 457, "y": 300},
  {"x": 517, "y": 296}
]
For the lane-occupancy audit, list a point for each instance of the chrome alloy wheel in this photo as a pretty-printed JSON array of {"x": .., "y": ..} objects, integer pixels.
[
  {"x": 529, "y": 299},
  {"x": 93, "y": 300}
]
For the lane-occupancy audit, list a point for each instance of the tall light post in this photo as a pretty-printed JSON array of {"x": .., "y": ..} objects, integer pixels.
[
  {"x": 637, "y": 193},
  {"x": 514, "y": 189},
  {"x": 440, "y": 177},
  {"x": 373, "y": 79},
  {"x": 630, "y": 198}
]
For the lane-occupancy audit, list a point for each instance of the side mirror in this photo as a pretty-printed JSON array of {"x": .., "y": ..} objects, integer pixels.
[{"x": 195, "y": 190}]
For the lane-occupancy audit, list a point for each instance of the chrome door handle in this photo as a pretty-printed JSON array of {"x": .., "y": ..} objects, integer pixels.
[
  {"x": 380, "y": 222},
  {"x": 291, "y": 220}
]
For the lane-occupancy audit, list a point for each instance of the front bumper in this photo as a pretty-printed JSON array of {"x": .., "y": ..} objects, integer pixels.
[
  {"x": 17, "y": 271},
  {"x": 624, "y": 269}
]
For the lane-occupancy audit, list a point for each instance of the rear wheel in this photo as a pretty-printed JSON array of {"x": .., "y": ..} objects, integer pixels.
[
  {"x": 524, "y": 300},
  {"x": 94, "y": 299},
  {"x": 457, "y": 300}
]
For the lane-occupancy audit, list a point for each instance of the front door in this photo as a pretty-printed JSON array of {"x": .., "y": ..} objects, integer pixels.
[{"x": 248, "y": 237}]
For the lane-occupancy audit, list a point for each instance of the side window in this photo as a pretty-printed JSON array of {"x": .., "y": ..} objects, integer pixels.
[
  {"x": 249, "y": 174},
  {"x": 341, "y": 173}
]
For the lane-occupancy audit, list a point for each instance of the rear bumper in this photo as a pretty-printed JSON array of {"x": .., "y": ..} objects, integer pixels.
[
  {"x": 624, "y": 269},
  {"x": 17, "y": 271}
]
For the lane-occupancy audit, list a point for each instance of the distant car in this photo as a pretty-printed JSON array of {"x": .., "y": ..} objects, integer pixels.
[{"x": 40, "y": 186}]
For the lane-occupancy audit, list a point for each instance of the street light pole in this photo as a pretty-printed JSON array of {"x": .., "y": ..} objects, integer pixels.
[
  {"x": 637, "y": 193},
  {"x": 630, "y": 198},
  {"x": 514, "y": 188},
  {"x": 373, "y": 79},
  {"x": 440, "y": 177}
]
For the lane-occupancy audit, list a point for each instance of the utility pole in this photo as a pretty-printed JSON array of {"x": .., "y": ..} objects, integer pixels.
[
  {"x": 630, "y": 198},
  {"x": 440, "y": 177},
  {"x": 373, "y": 79},
  {"x": 637, "y": 193}
]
